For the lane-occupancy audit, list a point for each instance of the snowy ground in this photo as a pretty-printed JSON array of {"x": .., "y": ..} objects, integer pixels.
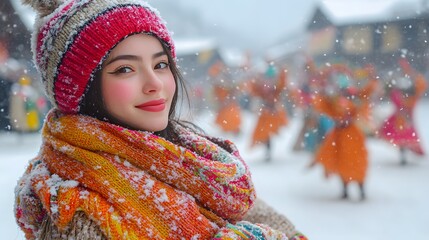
[{"x": 397, "y": 206}]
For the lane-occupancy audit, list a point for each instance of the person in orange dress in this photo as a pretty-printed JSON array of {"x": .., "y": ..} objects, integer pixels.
[
  {"x": 272, "y": 114},
  {"x": 343, "y": 151},
  {"x": 399, "y": 128},
  {"x": 229, "y": 112}
]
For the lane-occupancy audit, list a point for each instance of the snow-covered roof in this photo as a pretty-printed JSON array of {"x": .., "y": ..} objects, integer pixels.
[
  {"x": 25, "y": 12},
  {"x": 363, "y": 11},
  {"x": 234, "y": 57},
  {"x": 287, "y": 46},
  {"x": 185, "y": 46}
]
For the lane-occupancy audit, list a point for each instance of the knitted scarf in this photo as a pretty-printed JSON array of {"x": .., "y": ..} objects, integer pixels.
[{"x": 137, "y": 185}]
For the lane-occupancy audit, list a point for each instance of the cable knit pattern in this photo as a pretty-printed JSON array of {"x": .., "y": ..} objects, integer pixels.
[{"x": 136, "y": 185}]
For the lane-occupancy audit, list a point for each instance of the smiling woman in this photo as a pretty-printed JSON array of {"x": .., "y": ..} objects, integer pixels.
[{"x": 116, "y": 162}]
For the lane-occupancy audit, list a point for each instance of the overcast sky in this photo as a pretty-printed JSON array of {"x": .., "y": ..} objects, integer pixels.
[
  {"x": 265, "y": 21},
  {"x": 267, "y": 15}
]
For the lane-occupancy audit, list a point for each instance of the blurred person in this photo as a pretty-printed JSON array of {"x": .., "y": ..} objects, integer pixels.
[
  {"x": 10, "y": 71},
  {"x": 25, "y": 115},
  {"x": 228, "y": 116},
  {"x": 343, "y": 152},
  {"x": 315, "y": 124},
  {"x": 407, "y": 86},
  {"x": 115, "y": 161},
  {"x": 272, "y": 114}
]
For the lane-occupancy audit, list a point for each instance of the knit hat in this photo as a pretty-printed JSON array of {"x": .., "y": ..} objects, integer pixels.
[{"x": 72, "y": 39}]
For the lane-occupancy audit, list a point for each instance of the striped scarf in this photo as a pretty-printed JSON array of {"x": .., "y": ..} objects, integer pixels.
[{"x": 137, "y": 185}]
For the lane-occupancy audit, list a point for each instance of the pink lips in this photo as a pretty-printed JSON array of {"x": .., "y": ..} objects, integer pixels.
[{"x": 153, "y": 106}]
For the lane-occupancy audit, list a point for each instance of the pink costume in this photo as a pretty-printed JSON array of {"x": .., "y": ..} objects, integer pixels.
[{"x": 399, "y": 127}]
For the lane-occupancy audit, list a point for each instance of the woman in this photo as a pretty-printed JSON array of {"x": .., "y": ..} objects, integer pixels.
[
  {"x": 116, "y": 162},
  {"x": 272, "y": 115},
  {"x": 399, "y": 128},
  {"x": 228, "y": 116}
]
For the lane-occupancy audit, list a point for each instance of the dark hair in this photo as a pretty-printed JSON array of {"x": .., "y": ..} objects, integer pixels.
[{"x": 92, "y": 103}]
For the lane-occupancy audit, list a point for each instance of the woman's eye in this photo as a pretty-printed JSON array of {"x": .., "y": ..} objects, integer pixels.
[
  {"x": 161, "y": 65},
  {"x": 123, "y": 69}
]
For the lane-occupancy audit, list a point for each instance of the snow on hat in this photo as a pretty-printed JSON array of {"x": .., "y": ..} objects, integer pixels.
[{"x": 72, "y": 39}]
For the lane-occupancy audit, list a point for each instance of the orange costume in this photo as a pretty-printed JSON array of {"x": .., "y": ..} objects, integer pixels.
[
  {"x": 229, "y": 112},
  {"x": 272, "y": 115},
  {"x": 343, "y": 151}
]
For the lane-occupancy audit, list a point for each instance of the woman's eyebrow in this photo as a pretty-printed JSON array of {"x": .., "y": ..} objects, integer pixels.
[
  {"x": 159, "y": 54},
  {"x": 123, "y": 57}
]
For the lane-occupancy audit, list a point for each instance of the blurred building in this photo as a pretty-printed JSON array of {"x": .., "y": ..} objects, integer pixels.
[
  {"x": 360, "y": 32},
  {"x": 363, "y": 31}
]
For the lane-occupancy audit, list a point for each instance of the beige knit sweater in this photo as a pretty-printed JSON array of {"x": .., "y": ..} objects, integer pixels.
[{"x": 82, "y": 227}]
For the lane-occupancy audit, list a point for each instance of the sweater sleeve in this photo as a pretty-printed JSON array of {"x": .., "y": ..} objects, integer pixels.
[
  {"x": 262, "y": 213},
  {"x": 81, "y": 227}
]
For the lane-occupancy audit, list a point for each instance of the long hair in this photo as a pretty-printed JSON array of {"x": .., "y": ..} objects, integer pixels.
[{"x": 93, "y": 105}]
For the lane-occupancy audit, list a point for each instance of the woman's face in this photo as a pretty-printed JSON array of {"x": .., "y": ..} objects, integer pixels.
[{"x": 137, "y": 83}]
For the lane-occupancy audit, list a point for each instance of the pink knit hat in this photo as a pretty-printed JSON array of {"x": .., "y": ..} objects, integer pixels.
[{"x": 73, "y": 40}]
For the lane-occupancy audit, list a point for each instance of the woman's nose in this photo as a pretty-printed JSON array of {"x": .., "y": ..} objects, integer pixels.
[{"x": 151, "y": 82}]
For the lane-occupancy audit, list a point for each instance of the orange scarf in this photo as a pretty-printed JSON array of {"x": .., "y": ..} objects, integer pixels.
[{"x": 134, "y": 184}]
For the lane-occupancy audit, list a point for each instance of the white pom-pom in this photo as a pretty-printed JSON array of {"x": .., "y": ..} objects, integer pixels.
[{"x": 43, "y": 7}]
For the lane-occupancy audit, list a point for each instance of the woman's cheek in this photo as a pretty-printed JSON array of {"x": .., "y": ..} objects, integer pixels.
[{"x": 118, "y": 91}]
